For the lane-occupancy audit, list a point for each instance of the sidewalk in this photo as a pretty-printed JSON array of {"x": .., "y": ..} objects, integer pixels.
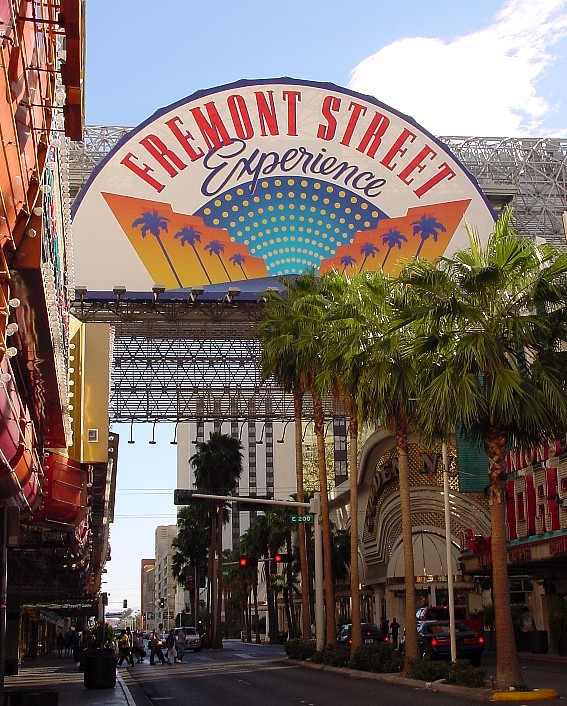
[{"x": 62, "y": 675}]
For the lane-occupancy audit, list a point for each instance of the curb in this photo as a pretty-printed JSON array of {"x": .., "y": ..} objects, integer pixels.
[{"x": 535, "y": 695}]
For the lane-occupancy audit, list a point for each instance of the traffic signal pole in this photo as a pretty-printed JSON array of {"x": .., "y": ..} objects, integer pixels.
[{"x": 184, "y": 497}]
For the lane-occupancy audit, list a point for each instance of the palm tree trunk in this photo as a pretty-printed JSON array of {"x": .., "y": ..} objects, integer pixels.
[
  {"x": 217, "y": 643},
  {"x": 256, "y": 613},
  {"x": 305, "y": 613},
  {"x": 412, "y": 645},
  {"x": 211, "y": 578},
  {"x": 319, "y": 426},
  {"x": 201, "y": 263},
  {"x": 356, "y": 632},
  {"x": 507, "y": 666},
  {"x": 165, "y": 254}
]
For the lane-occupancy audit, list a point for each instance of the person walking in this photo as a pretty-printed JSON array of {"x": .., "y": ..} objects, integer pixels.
[
  {"x": 124, "y": 649},
  {"x": 156, "y": 644},
  {"x": 181, "y": 645},
  {"x": 170, "y": 643},
  {"x": 60, "y": 644},
  {"x": 395, "y": 630}
]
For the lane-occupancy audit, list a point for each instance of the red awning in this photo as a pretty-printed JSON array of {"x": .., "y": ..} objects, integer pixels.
[{"x": 64, "y": 499}]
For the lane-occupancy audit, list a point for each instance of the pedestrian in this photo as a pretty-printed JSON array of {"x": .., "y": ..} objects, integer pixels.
[
  {"x": 395, "y": 630},
  {"x": 138, "y": 649},
  {"x": 157, "y": 643},
  {"x": 124, "y": 649},
  {"x": 385, "y": 626},
  {"x": 170, "y": 644},
  {"x": 181, "y": 645},
  {"x": 60, "y": 644},
  {"x": 67, "y": 644}
]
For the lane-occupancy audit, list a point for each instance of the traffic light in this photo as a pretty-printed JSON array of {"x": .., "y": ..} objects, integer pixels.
[
  {"x": 162, "y": 602},
  {"x": 283, "y": 558},
  {"x": 247, "y": 561},
  {"x": 125, "y": 603}
]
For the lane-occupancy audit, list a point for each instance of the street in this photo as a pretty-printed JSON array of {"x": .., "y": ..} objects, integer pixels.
[{"x": 253, "y": 675}]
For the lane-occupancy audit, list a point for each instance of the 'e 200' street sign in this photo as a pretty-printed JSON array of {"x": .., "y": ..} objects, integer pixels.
[{"x": 302, "y": 519}]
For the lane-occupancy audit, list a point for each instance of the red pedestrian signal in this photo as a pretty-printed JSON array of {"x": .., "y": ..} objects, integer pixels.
[
  {"x": 283, "y": 558},
  {"x": 246, "y": 561}
]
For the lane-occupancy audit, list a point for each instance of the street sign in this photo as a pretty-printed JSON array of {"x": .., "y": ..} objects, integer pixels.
[{"x": 302, "y": 519}]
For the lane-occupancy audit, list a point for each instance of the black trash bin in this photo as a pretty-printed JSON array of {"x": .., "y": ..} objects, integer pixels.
[
  {"x": 39, "y": 697},
  {"x": 100, "y": 669},
  {"x": 538, "y": 642}
]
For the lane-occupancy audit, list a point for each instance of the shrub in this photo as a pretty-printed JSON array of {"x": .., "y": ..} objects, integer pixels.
[
  {"x": 333, "y": 656},
  {"x": 378, "y": 657},
  {"x": 427, "y": 669},
  {"x": 461, "y": 672},
  {"x": 297, "y": 648}
]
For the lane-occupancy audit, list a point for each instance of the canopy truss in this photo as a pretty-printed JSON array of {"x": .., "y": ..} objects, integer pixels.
[{"x": 192, "y": 358}]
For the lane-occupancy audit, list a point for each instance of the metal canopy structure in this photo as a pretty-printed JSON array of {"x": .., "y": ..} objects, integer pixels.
[{"x": 192, "y": 356}]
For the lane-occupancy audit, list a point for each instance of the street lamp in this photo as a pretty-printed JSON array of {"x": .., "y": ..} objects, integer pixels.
[{"x": 450, "y": 591}]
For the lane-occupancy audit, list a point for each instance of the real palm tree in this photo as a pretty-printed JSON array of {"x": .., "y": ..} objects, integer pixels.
[
  {"x": 278, "y": 333},
  {"x": 291, "y": 338},
  {"x": 217, "y": 465},
  {"x": 346, "y": 326},
  {"x": 388, "y": 394},
  {"x": 191, "y": 545},
  {"x": 491, "y": 332}
]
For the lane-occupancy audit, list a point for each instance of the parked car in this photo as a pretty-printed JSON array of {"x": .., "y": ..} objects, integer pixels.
[
  {"x": 435, "y": 641},
  {"x": 441, "y": 612},
  {"x": 192, "y": 638},
  {"x": 370, "y": 633}
]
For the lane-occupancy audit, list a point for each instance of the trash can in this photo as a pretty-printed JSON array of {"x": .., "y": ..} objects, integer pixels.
[
  {"x": 39, "y": 697},
  {"x": 538, "y": 642},
  {"x": 100, "y": 669}
]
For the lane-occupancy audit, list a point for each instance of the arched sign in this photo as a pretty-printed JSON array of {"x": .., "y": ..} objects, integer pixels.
[{"x": 270, "y": 177}]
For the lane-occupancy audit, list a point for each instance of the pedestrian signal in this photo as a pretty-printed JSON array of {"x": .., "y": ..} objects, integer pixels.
[
  {"x": 245, "y": 561},
  {"x": 283, "y": 558}
]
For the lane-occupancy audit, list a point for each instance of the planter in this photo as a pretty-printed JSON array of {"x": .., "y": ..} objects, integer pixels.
[{"x": 100, "y": 669}]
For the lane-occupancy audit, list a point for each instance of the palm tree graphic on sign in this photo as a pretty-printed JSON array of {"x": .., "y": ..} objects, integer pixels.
[
  {"x": 152, "y": 222},
  {"x": 238, "y": 260},
  {"x": 368, "y": 250},
  {"x": 189, "y": 236},
  {"x": 392, "y": 239},
  {"x": 215, "y": 247},
  {"x": 427, "y": 227},
  {"x": 347, "y": 261}
]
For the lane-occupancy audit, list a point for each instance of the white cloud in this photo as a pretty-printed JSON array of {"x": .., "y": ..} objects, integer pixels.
[{"x": 484, "y": 83}]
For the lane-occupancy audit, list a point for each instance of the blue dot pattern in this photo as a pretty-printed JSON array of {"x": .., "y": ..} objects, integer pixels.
[{"x": 293, "y": 223}]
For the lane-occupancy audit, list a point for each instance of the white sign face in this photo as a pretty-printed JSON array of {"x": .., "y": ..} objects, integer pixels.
[{"x": 270, "y": 177}]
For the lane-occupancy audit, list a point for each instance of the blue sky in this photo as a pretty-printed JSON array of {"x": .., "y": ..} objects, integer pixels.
[{"x": 491, "y": 68}]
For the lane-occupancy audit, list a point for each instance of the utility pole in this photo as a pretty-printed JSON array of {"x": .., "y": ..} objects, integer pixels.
[{"x": 185, "y": 497}]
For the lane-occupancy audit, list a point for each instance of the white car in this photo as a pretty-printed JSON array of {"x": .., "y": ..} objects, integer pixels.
[{"x": 192, "y": 639}]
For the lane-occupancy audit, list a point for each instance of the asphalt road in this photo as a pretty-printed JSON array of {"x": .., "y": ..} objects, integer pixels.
[{"x": 250, "y": 675}]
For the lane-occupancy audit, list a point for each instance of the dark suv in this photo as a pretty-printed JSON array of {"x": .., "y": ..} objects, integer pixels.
[{"x": 370, "y": 633}]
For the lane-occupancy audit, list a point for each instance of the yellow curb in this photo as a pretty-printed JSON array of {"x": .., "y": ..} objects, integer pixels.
[{"x": 536, "y": 695}]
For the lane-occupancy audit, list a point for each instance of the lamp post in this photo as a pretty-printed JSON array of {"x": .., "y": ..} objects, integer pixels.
[{"x": 450, "y": 592}]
